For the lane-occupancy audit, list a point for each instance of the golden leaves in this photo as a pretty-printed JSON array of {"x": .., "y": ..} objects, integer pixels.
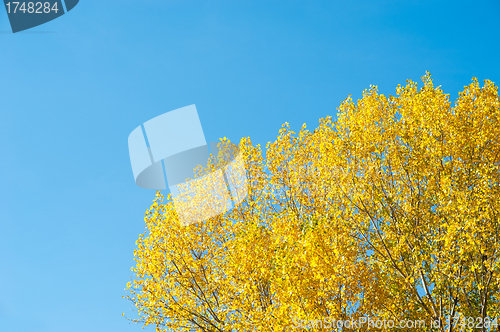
[{"x": 392, "y": 210}]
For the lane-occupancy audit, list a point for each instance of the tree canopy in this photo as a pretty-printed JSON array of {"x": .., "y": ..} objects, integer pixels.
[{"x": 389, "y": 211}]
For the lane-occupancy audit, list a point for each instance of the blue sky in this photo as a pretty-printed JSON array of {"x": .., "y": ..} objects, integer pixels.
[{"x": 72, "y": 90}]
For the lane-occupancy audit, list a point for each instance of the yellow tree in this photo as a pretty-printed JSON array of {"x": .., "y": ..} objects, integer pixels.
[{"x": 390, "y": 212}]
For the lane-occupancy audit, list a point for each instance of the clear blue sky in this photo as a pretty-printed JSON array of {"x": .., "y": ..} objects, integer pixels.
[{"x": 73, "y": 89}]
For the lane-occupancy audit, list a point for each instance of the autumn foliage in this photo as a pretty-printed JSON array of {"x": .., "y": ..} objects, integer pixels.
[{"x": 392, "y": 211}]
